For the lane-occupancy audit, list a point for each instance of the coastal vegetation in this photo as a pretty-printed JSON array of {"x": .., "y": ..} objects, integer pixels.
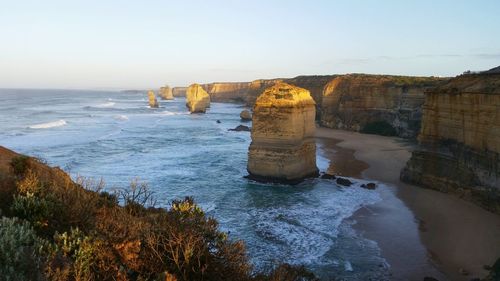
[{"x": 53, "y": 228}]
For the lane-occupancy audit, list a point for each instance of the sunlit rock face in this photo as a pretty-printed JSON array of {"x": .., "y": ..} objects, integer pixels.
[
  {"x": 460, "y": 140},
  {"x": 380, "y": 104},
  {"x": 166, "y": 93},
  {"x": 179, "y": 91},
  {"x": 283, "y": 147},
  {"x": 153, "y": 103},
  {"x": 197, "y": 99}
]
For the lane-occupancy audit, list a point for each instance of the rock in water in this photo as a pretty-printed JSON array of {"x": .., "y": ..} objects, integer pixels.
[
  {"x": 246, "y": 115},
  {"x": 153, "y": 103},
  {"x": 166, "y": 93},
  {"x": 283, "y": 147},
  {"x": 241, "y": 128},
  {"x": 197, "y": 99}
]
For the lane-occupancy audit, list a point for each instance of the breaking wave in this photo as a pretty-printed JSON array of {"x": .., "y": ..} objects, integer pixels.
[{"x": 47, "y": 125}]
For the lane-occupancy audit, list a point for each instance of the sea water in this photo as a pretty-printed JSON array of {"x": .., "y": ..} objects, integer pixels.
[{"x": 117, "y": 137}]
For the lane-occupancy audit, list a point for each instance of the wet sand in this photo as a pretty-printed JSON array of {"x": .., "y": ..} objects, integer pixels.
[{"x": 421, "y": 232}]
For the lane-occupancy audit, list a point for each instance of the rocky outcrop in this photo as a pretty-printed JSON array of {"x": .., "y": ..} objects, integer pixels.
[
  {"x": 165, "y": 93},
  {"x": 197, "y": 99},
  {"x": 227, "y": 92},
  {"x": 179, "y": 91},
  {"x": 380, "y": 104},
  {"x": 460, "y": 140},
  {"x": 246, "y": 115},
  {"x": 283, "y": 147},
  {"x": 153, "y": 103}
]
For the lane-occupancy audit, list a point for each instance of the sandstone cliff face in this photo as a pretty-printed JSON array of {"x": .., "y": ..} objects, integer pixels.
[
  {"x": 179, "y": 91},
  {"x": 227, "y": 92},
  {"x": 460, "y": 140},
  {"x": 283, "y": 147},
  {"x": 197, "y": 100},
  {"x": 153, "y": 103},
  {"x": 361, "y": 102},
  {"x": 165, "y": 93}
]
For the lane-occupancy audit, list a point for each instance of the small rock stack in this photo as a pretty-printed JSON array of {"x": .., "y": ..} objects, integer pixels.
[
  {"x": 153, "y": 103},
  {"x": 166, "y": 93}
]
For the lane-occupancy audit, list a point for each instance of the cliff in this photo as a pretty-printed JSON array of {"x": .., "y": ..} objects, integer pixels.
[
  {"x": 179, "y": 91},
  {"x": 282, "y": 147},
  {"x": 197, "y": 99},
  {"x": 227, "y": 92},
  {"x": 381, "y": 104},
  {"x": 460, "y": 140}
]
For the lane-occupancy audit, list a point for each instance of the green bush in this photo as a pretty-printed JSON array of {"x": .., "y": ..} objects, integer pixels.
[
  {"x": 19, "y": 164},
  {"x": 379, "y": 128},
  {"x": 21, "y": 251}
]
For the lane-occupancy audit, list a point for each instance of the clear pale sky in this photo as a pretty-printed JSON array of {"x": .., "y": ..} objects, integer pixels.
[{"x": 142, "y": 44}]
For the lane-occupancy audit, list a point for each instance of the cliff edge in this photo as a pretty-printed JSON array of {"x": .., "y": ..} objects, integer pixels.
[{"x": 460, "y": 140}]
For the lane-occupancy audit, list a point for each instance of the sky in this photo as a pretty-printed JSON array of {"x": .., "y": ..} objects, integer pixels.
[{"x": 120, "y": 44}]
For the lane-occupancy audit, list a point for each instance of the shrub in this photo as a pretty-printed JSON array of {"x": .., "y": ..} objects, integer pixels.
[
  {"x": 379, "y": 128},
  {"x": 19, "y": 165},
  {"x": 287, "y": 272},
  {"x": 21, "y": 251}
]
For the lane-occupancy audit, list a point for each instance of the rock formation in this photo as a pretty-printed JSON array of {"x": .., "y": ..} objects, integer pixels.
[
  {"x": 165, "y": 93},
  {"x": 179, "y": 91},
  {"x": 460, "y": 140},
  {"x": 380, "y": 104},
  {"x": 153, "y": 103},
  {"x": 227, "y": 92},
  {"x": 246, "y": 115},
  {"x": 197, "y": 100},
  {"x": 283, "y": 147}
]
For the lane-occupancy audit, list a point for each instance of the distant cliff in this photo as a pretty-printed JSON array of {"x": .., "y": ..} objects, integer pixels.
[
  {"x": 460, "y": 140},
  {"x": 179, "y": 91},
  {"x": 380, "y": 104}
]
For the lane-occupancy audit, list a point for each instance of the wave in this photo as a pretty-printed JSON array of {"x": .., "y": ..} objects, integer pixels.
[
  {"x": 170, "y": 113},
  {"x": 107, "y": 104},
  {"x": 47, "y": 125},
  {"x": 121, "y": 117}
]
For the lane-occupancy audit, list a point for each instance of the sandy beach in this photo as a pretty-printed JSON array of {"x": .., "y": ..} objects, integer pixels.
[{"x": 421, "y": 232}]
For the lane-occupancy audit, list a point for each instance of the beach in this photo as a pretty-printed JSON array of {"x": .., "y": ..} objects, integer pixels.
[{"x": 421, "y": 232}]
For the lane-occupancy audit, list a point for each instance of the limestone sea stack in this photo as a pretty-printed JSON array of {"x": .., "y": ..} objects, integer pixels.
[
  {"x": 153, "y": 103},
  {"x": 283, "y": 147},
  {"x": 197, "y": 99},
  {"x": 166, "y": 93}
]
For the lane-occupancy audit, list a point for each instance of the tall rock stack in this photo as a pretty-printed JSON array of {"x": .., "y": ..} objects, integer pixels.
[
  {"x": 460, "y": 140},
  {"x": 197, "y": 99},
  {"x": 283, "y": 147},
  {"x": 153, "y": 103},
  {"x": 166, "y": 93}
]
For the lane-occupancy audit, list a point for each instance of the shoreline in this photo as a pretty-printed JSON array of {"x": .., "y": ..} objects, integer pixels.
[{"x": 439, "y": 234}]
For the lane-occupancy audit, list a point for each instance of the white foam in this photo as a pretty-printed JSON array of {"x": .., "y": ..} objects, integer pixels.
[
  {"x": 121, "y": 117},
  {"x": 303, "y": 232},
  {"x": 107, "y": 104},
  {"x": 170, "y": 113},
  {"x": 47, "y": 125}
]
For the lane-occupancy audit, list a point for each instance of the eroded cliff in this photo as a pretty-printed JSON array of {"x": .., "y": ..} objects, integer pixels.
[
  {"x": 380, "y": 104},
  {"x": 460, "y": 140},
  {"x": 283, "y": 147}
]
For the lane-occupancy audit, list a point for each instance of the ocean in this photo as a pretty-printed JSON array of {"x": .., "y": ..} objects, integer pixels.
[{"x": 116, "y": 137}]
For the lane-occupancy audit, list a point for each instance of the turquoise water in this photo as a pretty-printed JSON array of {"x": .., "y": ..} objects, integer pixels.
[{"x": 117, "y": 137}]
